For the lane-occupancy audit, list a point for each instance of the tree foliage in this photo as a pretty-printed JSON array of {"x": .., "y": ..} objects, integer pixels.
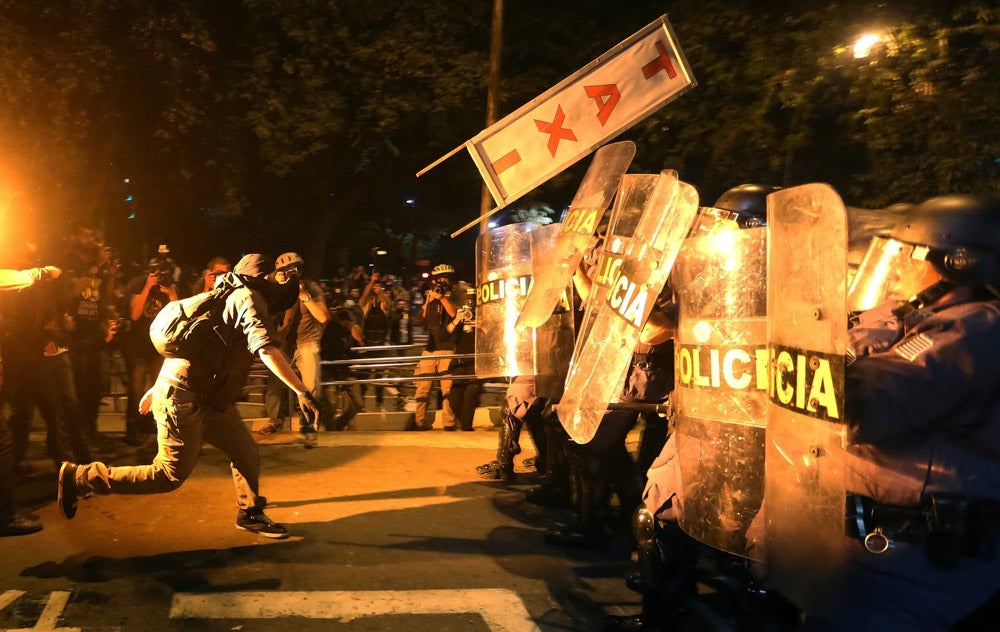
[{"x": 299, "y": 124}]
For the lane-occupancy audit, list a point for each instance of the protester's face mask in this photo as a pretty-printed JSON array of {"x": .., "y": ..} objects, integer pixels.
[{"x": 278, "y": 296}]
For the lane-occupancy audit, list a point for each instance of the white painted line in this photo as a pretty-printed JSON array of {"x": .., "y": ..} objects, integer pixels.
[
  {"x": 9, "y": 597},
  {"x": 50, "y": 615},
  {"x": 501, "y": 609}
]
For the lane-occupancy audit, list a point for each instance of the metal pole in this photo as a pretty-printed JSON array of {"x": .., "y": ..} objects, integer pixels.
[{"x": 492, "y": 96}]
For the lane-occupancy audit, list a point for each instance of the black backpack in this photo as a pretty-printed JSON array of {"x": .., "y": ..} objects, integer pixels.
[{"x": 192, "y": 328}]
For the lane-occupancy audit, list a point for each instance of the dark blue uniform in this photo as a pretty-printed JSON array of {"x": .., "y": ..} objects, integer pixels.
[{"x": 923, "y": 418}]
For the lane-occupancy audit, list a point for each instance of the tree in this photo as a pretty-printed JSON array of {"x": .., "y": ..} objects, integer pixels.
[{"x": 299, "y": 124}]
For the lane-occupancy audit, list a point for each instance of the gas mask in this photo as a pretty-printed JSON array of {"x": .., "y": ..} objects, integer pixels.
[
  {"x": 278, "y": 296},
  {"x": 441, "y": 285}
]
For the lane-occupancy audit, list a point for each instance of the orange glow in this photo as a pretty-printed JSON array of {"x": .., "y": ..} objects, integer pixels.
[
  {"x": 12, "y": 213},
  {"x": 864, "y": 45}
]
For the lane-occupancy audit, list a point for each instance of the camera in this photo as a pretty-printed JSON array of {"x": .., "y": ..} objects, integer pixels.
[
  {"x": 441, "y": 286},
  {"x": 164, "y": 269},
  {"x": 119, "y": 325}
]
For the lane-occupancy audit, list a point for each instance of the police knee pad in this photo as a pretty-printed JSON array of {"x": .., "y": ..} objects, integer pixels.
[{"x": 643, "y": 524}]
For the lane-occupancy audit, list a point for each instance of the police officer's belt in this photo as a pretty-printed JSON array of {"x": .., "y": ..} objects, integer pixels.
[{"x": 951, "y": 526}]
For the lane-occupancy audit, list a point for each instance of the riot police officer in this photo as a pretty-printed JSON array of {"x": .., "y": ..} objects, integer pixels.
[
  {"x": 666, "y": 555},
  {"x": 923, "y": 426}
]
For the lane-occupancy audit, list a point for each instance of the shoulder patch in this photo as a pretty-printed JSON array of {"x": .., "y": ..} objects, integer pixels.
[{"x": 913, "y": 347}]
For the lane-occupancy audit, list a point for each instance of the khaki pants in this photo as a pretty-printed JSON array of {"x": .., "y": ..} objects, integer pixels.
[
  {"x": 182, "y": 423},
  {"x": 433, "y": 366}
]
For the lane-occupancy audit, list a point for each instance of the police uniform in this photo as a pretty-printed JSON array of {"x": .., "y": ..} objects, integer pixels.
[
  {"x": 604, "y": 462},
  {"x": 923, "y": 461}
]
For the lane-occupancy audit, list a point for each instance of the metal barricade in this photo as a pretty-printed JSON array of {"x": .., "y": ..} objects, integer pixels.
[{"x": 396, "y": 362}]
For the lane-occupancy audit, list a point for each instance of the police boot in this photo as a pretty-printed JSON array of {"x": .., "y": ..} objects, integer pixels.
[
  {"x": 668, "y": 586},
  {"x": 502, "y": 469},
  {"x": 634, "y": 623},
  {"x": 663, "y": 598},
  {"x": 556, "y": 487},
  {"x": 535, "y": 423},
  {"x": 591, "y": 530},
  {"x": 623, "y": 475}
]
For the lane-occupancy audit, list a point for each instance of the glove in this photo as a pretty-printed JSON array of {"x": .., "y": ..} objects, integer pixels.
[{"x": 875, "y": 331}]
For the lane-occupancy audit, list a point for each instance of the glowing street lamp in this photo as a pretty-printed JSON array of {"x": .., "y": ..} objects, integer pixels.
[
  {"x": 377, "y": 251},
  {"x": 864, "y": 45}
]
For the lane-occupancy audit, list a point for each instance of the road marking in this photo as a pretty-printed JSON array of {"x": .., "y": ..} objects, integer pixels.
[
  {"x": 9, "y": 597},
  {"x": 50, "y": 615},
  {"x": 502, "y": 610}
]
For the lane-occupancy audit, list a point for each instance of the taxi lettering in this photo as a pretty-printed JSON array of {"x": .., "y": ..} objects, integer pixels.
[
  {"x": 582, "y": 220},
  {"x": 502, "y": 289},
  {"x": 735, "y": 368},
  {"x": 806, "y": 382}
]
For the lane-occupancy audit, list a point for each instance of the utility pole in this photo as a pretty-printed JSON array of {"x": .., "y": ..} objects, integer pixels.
[{"x": 492, "y": 91}]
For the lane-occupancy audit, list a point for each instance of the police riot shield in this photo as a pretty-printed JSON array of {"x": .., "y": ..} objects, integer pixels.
[
  {"x": 553, "y": 339},
  {"x": 630, "y": 200},
  {"x": 555, "y": 268},
  {"x": 804, "y": 492},
  {"x": 596, "y": 377},
  {"x": 720, "y": 394},
  {"x": 504, "y": 276}
]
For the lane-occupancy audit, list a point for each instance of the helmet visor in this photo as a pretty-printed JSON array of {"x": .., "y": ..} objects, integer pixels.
[
  {"x": 710, "y": 220},
  {"x": 890, "y": 271}
]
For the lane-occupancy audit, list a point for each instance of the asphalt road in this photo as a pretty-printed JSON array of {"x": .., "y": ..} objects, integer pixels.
[{"x": 390, "y": 531}]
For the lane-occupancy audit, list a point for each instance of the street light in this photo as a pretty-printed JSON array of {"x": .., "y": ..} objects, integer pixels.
[
  {"x": 864, "y": 45},
  {"x": 874, "y": 43},
  {"x": 377, "y": 251}
]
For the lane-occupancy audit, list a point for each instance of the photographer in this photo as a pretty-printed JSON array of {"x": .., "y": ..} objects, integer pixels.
[
  {"x": 147, "y": 296},
  {"x": 463, "y": 397},
  {"x": 375, "y": 305},
  {"x": 91, "y": 269},
  {"x": 438, "y": 312}
]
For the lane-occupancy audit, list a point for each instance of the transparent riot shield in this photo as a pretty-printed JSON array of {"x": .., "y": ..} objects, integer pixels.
[
  {"x": 556, "y": 267},
  {"x": 504, "y": 274},
  {"x": 720, "y": 394},
  {"x": 630, "y": 200},
  {"x": 596, "y": 377},
  {"x": 553, "y": 339},
  {"x": 804, "y": 495}
]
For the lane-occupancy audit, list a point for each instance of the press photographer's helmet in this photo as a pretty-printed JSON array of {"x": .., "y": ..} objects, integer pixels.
[
  {"x": 442, "y": 269},
  {"x": 748, "y": 202},
  {"x": 288, "y": 259},
  {"x": 441, "y": 278}
]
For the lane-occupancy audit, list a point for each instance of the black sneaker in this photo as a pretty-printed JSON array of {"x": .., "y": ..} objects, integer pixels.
[
  {"x": 20, "y": 524},
  {"x": 68, "y": 495},
  {"x": 260, "y": 524},
  {"x": 310, "y": 440}
]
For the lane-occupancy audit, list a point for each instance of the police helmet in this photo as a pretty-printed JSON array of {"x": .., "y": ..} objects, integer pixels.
[
  {"x": 442, "y": 269},
  {"x": 287, "y": 260},
  {"x": 749, "y": 202},
  {"x": 962, "y": 235}
]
